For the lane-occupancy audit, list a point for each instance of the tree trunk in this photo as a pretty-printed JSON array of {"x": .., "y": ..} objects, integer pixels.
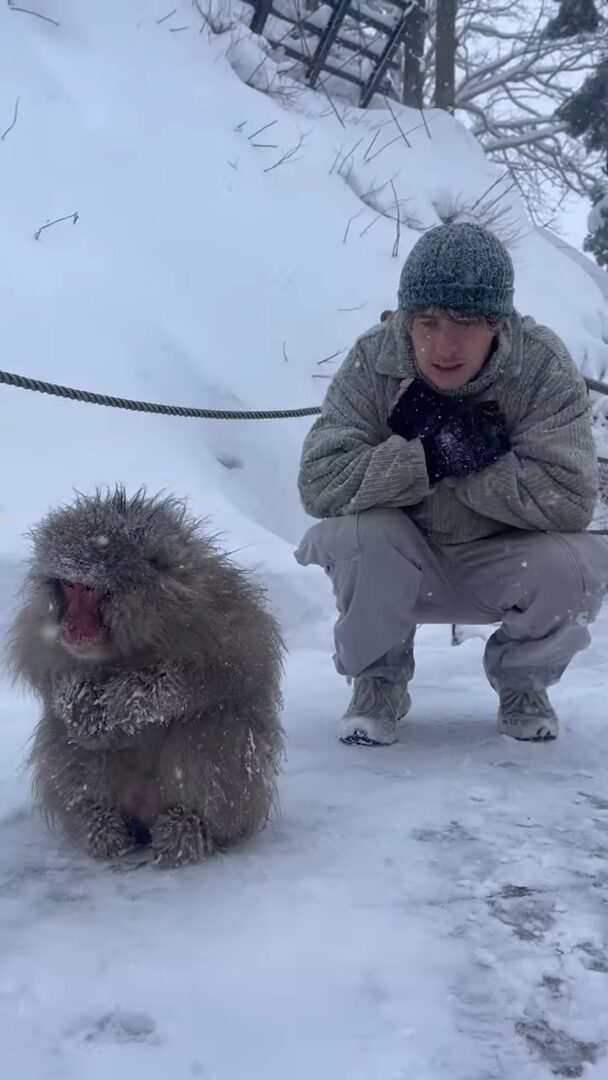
[
  {"x": 445, "y": 58},
  {"x": 413, "y": 73}
]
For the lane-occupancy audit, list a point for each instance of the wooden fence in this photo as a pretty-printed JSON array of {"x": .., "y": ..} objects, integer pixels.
[{"x": 344, "y": 48}]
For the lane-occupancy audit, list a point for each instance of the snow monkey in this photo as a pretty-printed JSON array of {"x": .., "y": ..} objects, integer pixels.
[{"x": 158, "y": 665}]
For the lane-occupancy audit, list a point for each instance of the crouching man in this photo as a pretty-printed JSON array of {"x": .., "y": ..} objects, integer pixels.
[{"x": 455, "y": 470}]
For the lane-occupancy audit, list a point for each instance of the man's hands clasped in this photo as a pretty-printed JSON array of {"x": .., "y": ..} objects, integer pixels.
[{"x": 459, "y": 437}]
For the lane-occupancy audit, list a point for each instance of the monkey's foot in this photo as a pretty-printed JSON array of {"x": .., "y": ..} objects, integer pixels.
[
  {"x": 179, "y": 837},
  {"x": 105, "y": 833}
]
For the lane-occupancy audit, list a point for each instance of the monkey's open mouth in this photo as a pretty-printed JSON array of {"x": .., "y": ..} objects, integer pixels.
[{"x": 82, "y": 627}]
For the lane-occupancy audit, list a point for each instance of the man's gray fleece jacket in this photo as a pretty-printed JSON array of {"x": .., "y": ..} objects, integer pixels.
[{"x": 548, "y": 481}]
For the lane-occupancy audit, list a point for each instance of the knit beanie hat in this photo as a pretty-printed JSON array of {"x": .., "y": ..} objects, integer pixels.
[{"x": 461, "y": 267}]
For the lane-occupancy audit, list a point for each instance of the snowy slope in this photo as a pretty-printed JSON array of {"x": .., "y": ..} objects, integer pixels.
[
  {"x": 192, "y": 273},
  {"x": 598, "y": 275},
  {"x": 434, "y": 910}
]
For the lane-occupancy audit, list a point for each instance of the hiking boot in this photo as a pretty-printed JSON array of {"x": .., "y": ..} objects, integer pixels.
[
  {"x": 375, "y": 707},
  {"x": 527, "y": 715},
  {"x": 524, "y": 714}
]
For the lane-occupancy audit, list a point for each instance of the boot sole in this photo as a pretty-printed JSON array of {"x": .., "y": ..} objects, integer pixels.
[
  {"x": 543, "y": 733},
  {"x": 361, "y": 738}
]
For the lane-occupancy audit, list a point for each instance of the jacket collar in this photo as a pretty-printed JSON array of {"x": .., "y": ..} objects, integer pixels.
[{"x": 396, "y": 356}]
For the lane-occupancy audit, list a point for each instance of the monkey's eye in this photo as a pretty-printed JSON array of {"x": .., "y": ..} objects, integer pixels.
[{"x": 158, "y": 561}]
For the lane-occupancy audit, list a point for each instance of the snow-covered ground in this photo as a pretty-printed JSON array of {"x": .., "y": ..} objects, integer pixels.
[
  {"x": 432, "y": 910},
  {"x": 429, "y": 911}
]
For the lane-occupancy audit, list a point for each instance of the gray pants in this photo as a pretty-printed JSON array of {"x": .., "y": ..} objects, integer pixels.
[{"x": 387, "y": 576}]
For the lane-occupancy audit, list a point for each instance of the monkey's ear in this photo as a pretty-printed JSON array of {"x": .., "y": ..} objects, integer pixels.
[{"x": 386, "y": 315}]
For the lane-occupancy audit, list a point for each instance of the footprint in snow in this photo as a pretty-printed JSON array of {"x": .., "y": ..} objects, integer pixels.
[
  {"x": 453, "y": 833},
  {"x": 563, "y": 1054},
  {"x": 594, "y": 958},
  {"x": 529, "y": 916},
  {"x": 117, "y": 1026}
]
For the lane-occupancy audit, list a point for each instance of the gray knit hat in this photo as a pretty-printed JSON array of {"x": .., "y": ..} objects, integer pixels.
[{"x": 462, "y": 267}]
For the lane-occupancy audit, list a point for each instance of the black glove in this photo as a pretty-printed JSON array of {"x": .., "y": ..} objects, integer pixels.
[
  {"x": 467, "y": 443},
  {"x": 422, "y": 411}
]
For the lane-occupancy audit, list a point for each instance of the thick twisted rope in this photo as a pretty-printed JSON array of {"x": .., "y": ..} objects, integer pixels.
[{"x": 22, "y": 382}]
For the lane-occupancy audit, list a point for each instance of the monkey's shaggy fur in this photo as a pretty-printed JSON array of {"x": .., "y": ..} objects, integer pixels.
[{"x": 173, "y": 735}]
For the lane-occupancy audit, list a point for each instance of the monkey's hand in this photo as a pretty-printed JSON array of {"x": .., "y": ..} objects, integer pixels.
[
  {"x": 108, "y": 714},
  {"x": 149, "y": 696},
  {"x": 102, "y": 831},
  {"x": 179, "y": 837}
]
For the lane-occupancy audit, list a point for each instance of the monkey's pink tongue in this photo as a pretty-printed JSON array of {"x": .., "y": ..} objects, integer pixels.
[
  {"x": 82, "y": 622},
  {"x": 85, "y": 630}
]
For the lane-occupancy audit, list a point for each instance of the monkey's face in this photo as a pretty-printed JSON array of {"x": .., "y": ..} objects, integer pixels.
[{"x": 115, "y": 578}]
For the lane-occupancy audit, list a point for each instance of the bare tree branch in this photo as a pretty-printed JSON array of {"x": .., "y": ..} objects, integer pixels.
[{"x": 511, "y": 82}]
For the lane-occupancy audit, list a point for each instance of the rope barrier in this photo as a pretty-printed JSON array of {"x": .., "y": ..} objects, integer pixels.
[
  {"x": 22, "y": 382},
  {"x": 595, "y": 384}
]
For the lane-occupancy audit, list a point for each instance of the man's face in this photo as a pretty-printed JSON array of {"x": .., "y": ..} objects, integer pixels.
[{"x": 450, "y": 351}]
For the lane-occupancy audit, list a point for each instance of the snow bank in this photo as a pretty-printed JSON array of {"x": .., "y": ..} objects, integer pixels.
[{"x": 229, "y": 247}]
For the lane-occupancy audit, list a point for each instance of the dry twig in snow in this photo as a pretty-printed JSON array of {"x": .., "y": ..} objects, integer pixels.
[
  {"x": 68, "y": 217},
  {"x": 398, "y": 223},
  {"x": 28, "y": 11},
  {"x": 349, "y": 223},
  {"x": 11, "y": 126},
  {"x": 289, "y": 155}
]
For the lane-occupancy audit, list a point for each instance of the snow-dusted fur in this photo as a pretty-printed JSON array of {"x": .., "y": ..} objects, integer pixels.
[{"x": 176, "y": 735}]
